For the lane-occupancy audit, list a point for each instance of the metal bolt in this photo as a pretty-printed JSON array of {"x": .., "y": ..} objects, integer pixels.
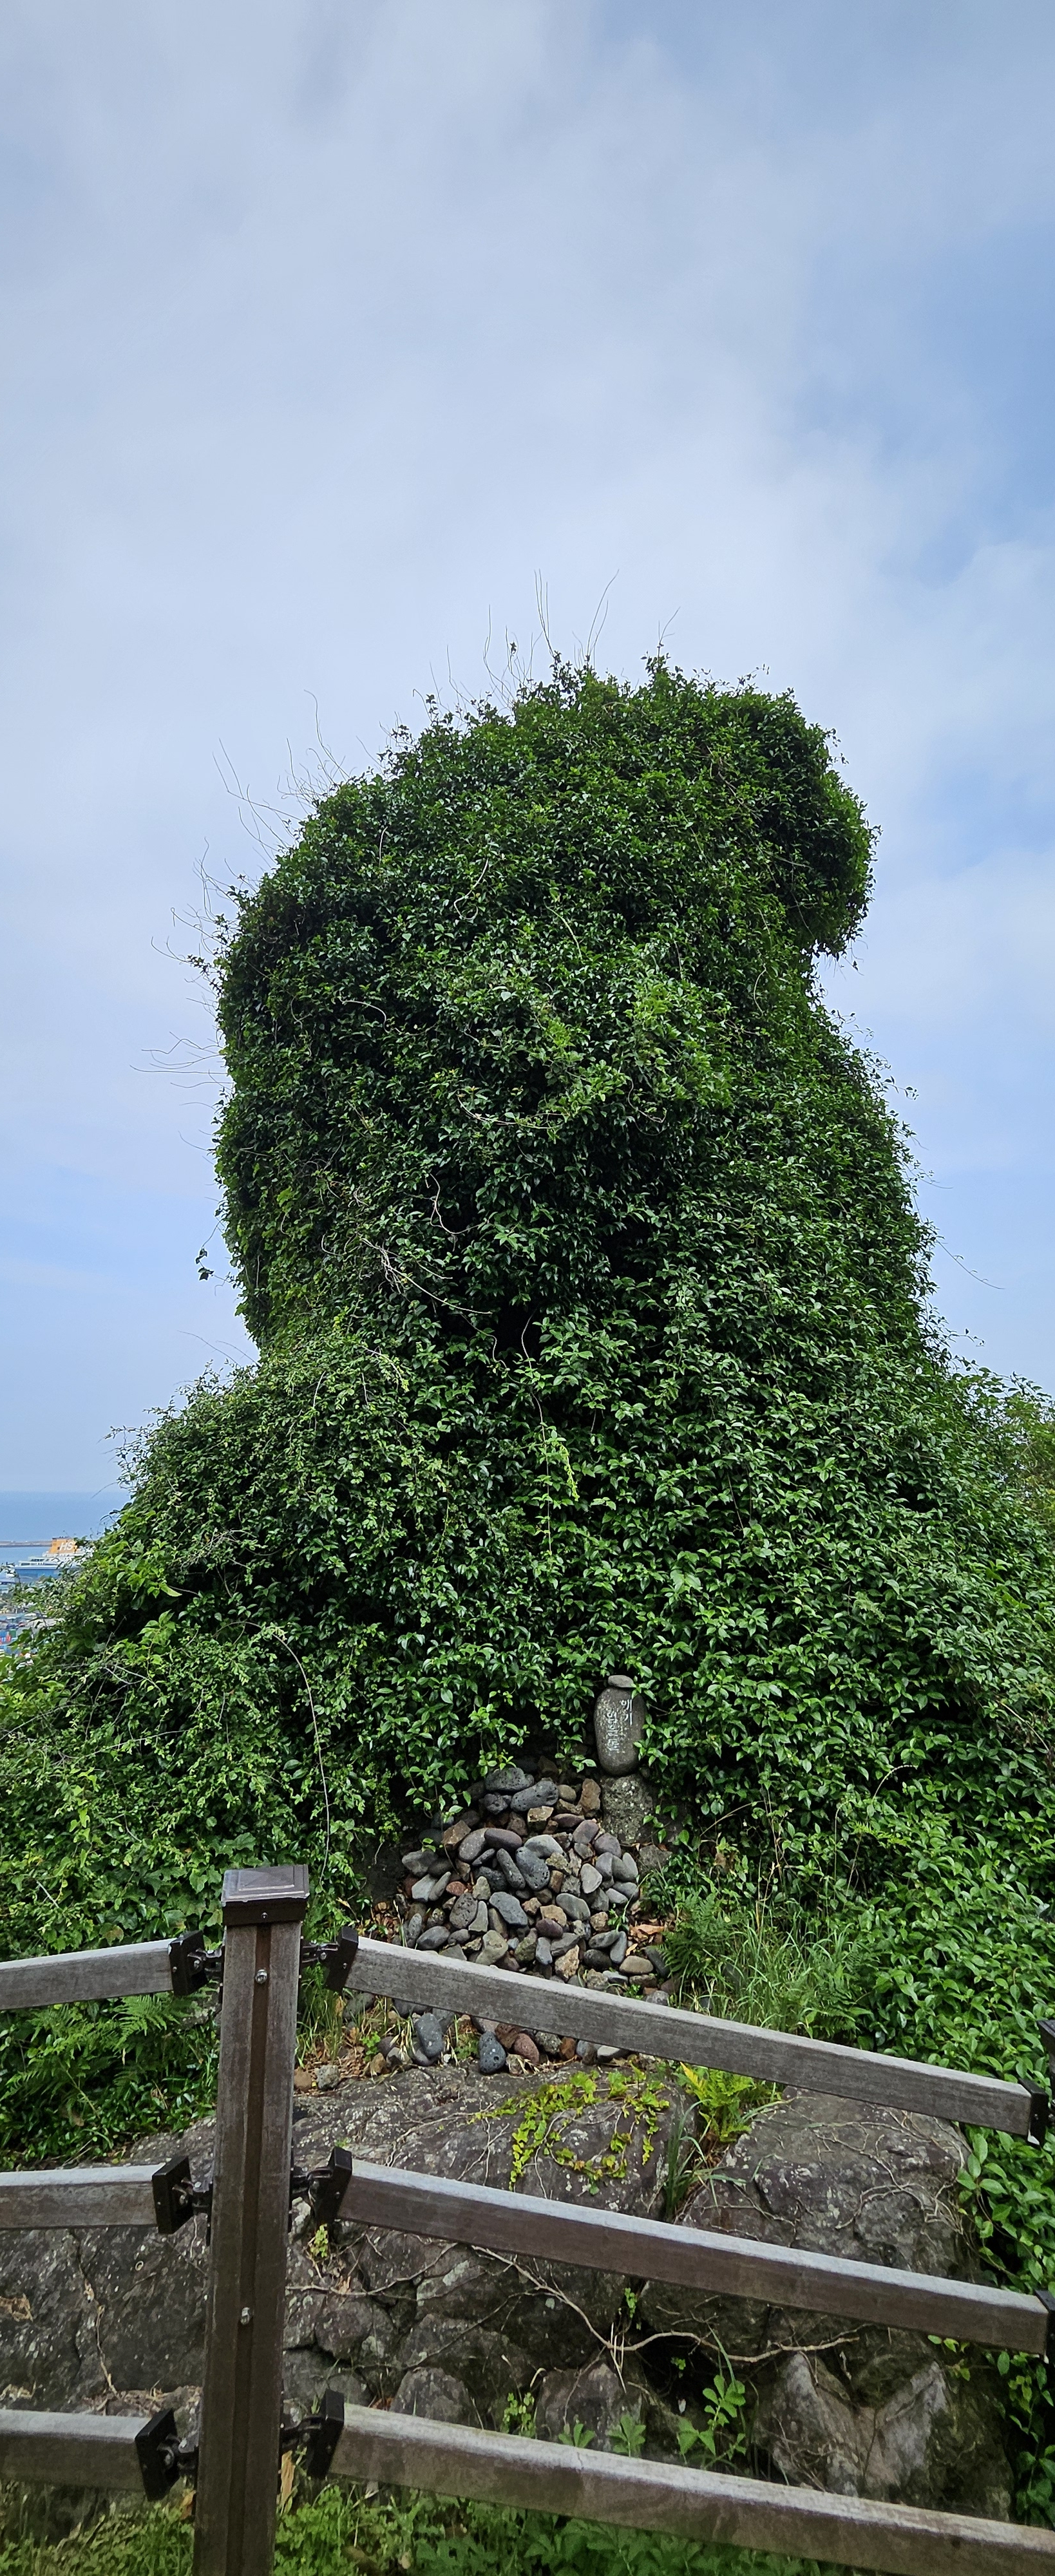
[
  {"x": 260, "y": 1978},
  {"x": 246, "y": 2317}
]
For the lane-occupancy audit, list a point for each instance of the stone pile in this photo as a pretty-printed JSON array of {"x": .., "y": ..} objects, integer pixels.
[{"x": 530, "y": 1876}]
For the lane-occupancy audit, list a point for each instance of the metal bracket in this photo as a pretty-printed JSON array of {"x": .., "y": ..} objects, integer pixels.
[
  {"x": 335, "y": 1956},
  {"x": 175, "y": 2198},
  {"x": 191, "y": 1965},
  {"x": 323, "y": 2432},
  {"x": 1038, "y": 2116},
  {"x": 162, "y": 2456},
  {"x": 317, "y": 2436},
  {"x": 325, "y": 2188}
]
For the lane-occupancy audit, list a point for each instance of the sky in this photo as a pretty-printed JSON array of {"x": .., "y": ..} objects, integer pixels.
[{"x": 341, "y": 334}]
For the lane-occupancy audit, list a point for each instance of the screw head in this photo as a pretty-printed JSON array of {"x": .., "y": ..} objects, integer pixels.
[
  {"x": 260, "y": 1978},
  {"x": 246, "y": 2317}
]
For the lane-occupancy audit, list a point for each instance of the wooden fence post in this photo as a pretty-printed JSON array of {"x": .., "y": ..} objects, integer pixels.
[{"x": 241, "y": 2410}]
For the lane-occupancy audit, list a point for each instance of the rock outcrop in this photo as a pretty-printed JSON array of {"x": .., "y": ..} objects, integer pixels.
[
  {"x": 115, "y": 2317},
  {"x": 861, "y": 2411},
  {"x": 91, "y": 2315}
]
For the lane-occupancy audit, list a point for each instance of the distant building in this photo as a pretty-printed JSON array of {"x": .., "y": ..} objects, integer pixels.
[
  {"x": 54, "y": 1559},
  {"x": 13, "y": 1624}
]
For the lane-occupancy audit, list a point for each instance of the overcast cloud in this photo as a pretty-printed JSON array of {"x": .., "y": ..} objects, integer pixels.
[{"x": 334, "y": 324}]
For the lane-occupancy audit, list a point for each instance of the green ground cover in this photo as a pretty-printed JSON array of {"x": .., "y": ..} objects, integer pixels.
[{"x": 341, "y": 2530}]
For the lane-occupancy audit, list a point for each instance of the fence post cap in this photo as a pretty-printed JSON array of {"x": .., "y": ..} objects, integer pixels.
[{"x": 275, "y": 1895}]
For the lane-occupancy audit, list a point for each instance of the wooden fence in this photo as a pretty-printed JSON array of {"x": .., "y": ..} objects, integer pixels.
[{"x": 235, "y": 2461}]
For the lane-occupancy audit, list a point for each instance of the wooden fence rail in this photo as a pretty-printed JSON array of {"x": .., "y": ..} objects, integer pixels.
[
  {"x": 696, "y": 2039},
  {"x": 242, "y": 2431},
  {"x": 87, "y": 1976},
  {"x": 132, "y": 2453},
  {"x": 696, "y": 2505},
  {"x": 735, "y": 2267},
  {"x": 88, "y": 2196}
]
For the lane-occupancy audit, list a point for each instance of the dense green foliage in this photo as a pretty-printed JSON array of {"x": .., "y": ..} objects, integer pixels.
[
  {"x": 493, "y": 1020},
  {"x": 581, "y": 1252}
]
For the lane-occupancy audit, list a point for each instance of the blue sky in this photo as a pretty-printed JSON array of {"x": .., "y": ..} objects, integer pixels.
[{"x": 338, "y": 324}]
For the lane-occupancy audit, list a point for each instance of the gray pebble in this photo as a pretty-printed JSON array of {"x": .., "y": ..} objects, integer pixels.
[
  {"x": 532, "y": 1870},
  {"x": 415, "y": 1926},
  {"x": 541, "y": 1847},
  {"x": 543, "y": 1952},
  {"x": 490, "y": 2054},
  {"x": 590, "y": 1879},
  {"x": 436, "y": 1938},
  {"x": 327, "y": 2078},
  {"x": 427, "y": 1890},
  {"x": 419, "y": 1860},
  {"x": 618, "y": 1950},
  {"x": 543, "y": 1794},
  {"x": 471, "y": 1848},
  {"x": 510, "y": 1870},
  {"x": 510, "y": 1780},
  {"x": 428, "y": 2035},
  {"x": 625, "y": 1869},
  {"x": 509, "y": 1911}
]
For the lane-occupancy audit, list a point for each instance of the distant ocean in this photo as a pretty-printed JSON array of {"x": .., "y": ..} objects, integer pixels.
[{"x": 32, "y": 1520}]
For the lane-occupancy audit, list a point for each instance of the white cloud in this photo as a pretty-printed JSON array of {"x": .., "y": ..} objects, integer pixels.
[{"x": 335, "y": 324}]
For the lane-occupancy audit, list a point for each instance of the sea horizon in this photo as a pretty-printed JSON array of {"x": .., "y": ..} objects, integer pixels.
[{"x": 33, "y": 1518}]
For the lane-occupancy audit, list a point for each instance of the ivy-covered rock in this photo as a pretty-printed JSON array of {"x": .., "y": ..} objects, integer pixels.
[{"x": 581, "y": 1252}]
